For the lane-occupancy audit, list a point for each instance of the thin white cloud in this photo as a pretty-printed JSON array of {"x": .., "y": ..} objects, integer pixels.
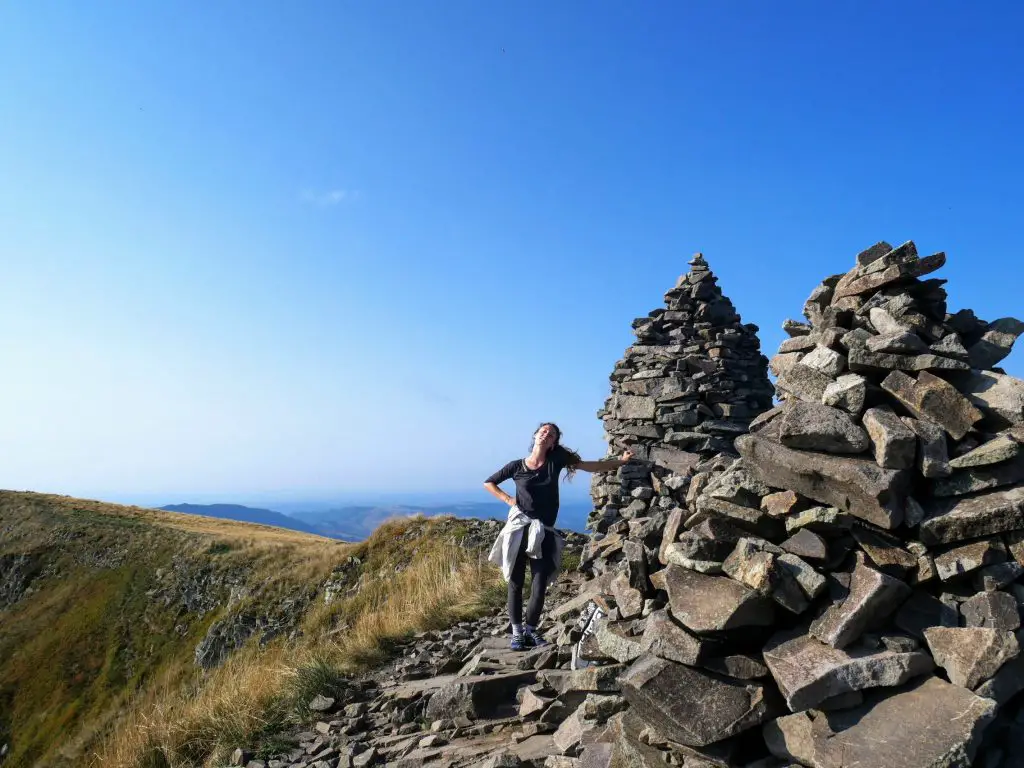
[{"x": 329, "y": 197}]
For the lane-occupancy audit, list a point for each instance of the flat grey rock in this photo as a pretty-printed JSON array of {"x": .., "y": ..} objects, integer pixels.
[
  {"x": 807, "y": 545},
  {"x": 693, "y": 707},
  {"x": 803, "y": 383},
  {"x": 872, "y": 596},
  {"x": 895, "y": 444},
  {"x": 809, "y": 672},
  {"x": 930, "y": 724},
  {"x": 999, "y": 396},
  {"x": 981, "y": 478},
  {"x": 817, "y": 427},
  {"x": 901, "y": 343},
  {"x": 994, "y": 610},
  {"x": 996, "y": 343},
  {"x": 957, "y": 519},
  {"x": 970, "y": 655},
  {"x": 662, "y": 637},
  {"x": 969, "y": 557},
  {"x": 848, "y": 393},
  {"x": 713, "y": 603},
  {"x": 826, "y": 360},
  {"x": 922, "y": 611},
  {"x": 999, "y": 449},
  {"x": 854, "y": 485},
  {"x": 933, "y": 399}
]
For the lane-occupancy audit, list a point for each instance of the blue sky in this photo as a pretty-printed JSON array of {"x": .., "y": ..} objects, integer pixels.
[{"x": 268, "y": 250}]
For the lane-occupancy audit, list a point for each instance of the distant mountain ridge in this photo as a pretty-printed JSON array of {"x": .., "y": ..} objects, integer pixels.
[
  {"x": 243, "y": 514},
  {"x": 356, "y": 522}
]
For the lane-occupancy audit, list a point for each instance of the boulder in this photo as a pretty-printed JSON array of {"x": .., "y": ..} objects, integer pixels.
[
  {"x": 781, "y": 503},
  {"x": 854, "y": 485},
  {"x": 899, "y": 343},
  {"x": 475, "y": 696},
  {"x": 873, "y": 254},
  {"x": 893, "y": 267},
  {"x": 800, "y": 382},
  {"x": 705, "y": 603},
  {"x": 981, "y": 478},
  {"x": 1007, "y": 682},
  {"x": 664, "y": 638},
  {"x": 994, "y": 610},
  {"x": 999, "y": 449},
  {"x": 930, "y": 724},
  {"x": 848, "y": 393},
  {"x": 614, "y": 641},
  {"x": 885, "y": 552},
  {"x": 863, "y": 360},
  {"x": 630, "y": 601},
  {"x": 995, "y": 343},
  {"x": 809, "y": 672},
  {"x": 968, "y": 557},
  {"x": 826, "y": 360},
  {"x": 633, "y": 407},
  {"x": 694, "y": 707},
  {"x": 932, "y": 453},
  {"x": 994, "y": 577},
  {"x": 933, "y": 399},
  {"x": 807, "y": 545},
  {"x": 970, "y": 655},
  {"x": 895, "y": 444},
  {"x": 769, "y": 571},
  {"x": 817, "y": 427},
  {"x": 950, "y": 520},
  {"x": 1000, "y": 397},
  {"x": 922, "y": 611},
  {"x": 872, "y": 596}
]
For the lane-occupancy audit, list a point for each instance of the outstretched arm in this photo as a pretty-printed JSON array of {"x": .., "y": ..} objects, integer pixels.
[{"x": 605, "y": 466}]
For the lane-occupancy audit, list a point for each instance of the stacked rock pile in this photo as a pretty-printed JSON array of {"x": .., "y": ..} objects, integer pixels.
[
  {"x": 693, "y": 380},
  {"x": 848, "y": 592}
]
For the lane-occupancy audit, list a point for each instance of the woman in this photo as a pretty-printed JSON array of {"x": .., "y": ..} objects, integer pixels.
[{"x": 532, "y": 514}]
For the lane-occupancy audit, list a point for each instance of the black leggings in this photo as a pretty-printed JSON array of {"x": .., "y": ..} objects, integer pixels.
[{"x": 541, "y": 568}]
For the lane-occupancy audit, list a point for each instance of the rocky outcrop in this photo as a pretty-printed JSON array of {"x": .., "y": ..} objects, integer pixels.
[{"x": 17, "y": 571}]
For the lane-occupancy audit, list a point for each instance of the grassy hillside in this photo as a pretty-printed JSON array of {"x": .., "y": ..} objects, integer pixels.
[{"x": 137, "y": 637}]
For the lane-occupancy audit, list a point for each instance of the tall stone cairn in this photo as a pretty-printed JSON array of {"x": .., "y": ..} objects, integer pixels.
[
  {"x": 693, "y": 380},
  {"x": 849, "y": 590}
]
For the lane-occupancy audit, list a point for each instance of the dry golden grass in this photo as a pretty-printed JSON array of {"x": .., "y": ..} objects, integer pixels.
[
  {"x": 412, "y": 580},
  {"x": 198, "y": 722}
]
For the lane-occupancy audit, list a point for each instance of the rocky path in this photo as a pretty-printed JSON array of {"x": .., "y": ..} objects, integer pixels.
[{"x": 460, "y": 697}]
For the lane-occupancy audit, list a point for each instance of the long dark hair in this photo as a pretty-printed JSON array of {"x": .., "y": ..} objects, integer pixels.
[{"x": 570, "y": 457}]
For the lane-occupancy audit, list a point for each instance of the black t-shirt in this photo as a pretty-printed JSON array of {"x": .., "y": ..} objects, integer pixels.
[{"x": 536, "y": 489}]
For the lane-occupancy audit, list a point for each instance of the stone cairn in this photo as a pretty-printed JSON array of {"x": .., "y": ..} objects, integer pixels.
[
  {"x": 693, "y": 380},
  {"x": 847, "y": 591}
]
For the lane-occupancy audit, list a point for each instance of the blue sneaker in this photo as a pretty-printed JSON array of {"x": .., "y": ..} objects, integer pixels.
[
  {"x": 519, "y": 643},
  {"x": 535, "y": 640}
]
